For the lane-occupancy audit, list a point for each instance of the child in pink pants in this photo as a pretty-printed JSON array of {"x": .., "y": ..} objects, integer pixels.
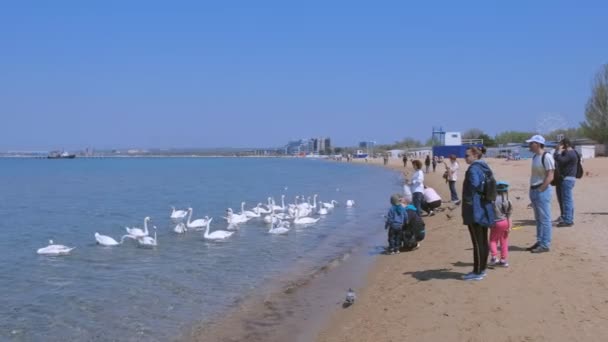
[{"x": 499, "y": 233}]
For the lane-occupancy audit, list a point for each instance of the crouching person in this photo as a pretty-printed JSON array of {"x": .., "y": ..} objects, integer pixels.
[
  {"x": 395, "y": 220},
  {"x": 414, "y": 229},
  {"x": 431, "y": 201}
]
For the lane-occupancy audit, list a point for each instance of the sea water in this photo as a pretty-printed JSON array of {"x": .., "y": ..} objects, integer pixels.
[{"x": 136, "y": 294}]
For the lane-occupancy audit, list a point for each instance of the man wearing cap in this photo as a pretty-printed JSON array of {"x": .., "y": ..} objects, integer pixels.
[{"x": 543, "y": 167}]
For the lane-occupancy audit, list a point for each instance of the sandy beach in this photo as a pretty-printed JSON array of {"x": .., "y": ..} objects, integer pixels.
[{"x": 555, "y": 296}]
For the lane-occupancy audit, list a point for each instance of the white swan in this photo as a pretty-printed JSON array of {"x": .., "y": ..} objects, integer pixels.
[
  {"x": 330, "y": 205},
  {"x": 280, "y": 227},
  {"x": 105, "y": 240},
  {"x": 233, "y": 218},
  {"x": 304, "y": 220},
  {"x": 261, "y": 210},
  {"x": 180, "y": 228},
  {"x": 216, "y": 235},
  {"x": 275, "y": 207},
  {"x": 271, "y": 218},
  {"x": 53, "y": 249},
  {"x": 200, "y": 223},
  {"x": 178, "y": 215},
  {"x": 248, "y": 213},
  {"x": 323, "y": 211},
  {"x": 138, "y": 232},
  {"x": 314, "y": 202},
  {"x": 350, "y": 203},
  {"x": 147, "y": 241}
]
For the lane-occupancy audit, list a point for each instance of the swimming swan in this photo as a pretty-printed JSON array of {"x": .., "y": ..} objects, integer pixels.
[
  {"x": 304, "y": 220},
  {"x": 200, "y": 223},
  {"x": 330, "y": 205},
  {"x": 137, "y": 232},
  {"x": 105, "y": 240},
  {"x": 180, "y": 228},
  {"x": 53, "y": 249},
  {"x": 178, "y": 215},
  {"x": 280, "y": 227},
  {"x": 216, "y": 235},
  {"x": 147, "y": 241},
  {"x": 350, "y": 203}
]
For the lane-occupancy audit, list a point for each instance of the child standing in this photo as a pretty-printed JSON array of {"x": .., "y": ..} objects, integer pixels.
[
  {"x": 499, "y": 233},
  {"x": 395, "y": 219}
]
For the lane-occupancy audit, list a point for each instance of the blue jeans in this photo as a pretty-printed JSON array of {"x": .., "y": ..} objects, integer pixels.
[
  {"x": 417, "y": 201},
  {"x": 453, "y": 193},
  {"x": 541, "y": 203},
  {"x": 566, "y": 199},
  {"x": 394, "y": 239}
]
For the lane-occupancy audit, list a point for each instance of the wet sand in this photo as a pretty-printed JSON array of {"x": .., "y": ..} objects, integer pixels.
[
  {"x": 557, "y": 296},
  {"x": 296, "y": 307}
]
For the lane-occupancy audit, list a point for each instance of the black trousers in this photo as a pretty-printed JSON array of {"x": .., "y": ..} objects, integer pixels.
[
  {"x": 560, "y": 200},
  {"x": 428, "y": 206},
  {"x": 481, "y": 249}
]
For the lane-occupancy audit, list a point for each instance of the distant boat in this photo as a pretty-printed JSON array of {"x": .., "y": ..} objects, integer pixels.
[{"x": 62, "y": 155}]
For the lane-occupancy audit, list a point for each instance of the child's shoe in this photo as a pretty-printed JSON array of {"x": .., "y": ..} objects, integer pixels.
[
  {"x": 493, "y": 261},
  {"x": 503, "y": 263}
]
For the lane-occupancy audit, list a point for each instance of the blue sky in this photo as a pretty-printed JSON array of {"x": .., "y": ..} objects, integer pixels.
[{"x": 258, "y": 73}]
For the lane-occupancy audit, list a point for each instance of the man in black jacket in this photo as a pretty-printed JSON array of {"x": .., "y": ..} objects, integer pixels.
[{"x": 566, "y": 159}]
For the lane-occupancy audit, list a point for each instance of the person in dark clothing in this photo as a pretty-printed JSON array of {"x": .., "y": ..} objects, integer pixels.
[
  {"x": 566, "y": 159},
  {"x": 414, "y": 229},
  {"x": 477, "y": 213},
  {"x": 404, "y": 160},
  {"x": 427, "y": 163}
]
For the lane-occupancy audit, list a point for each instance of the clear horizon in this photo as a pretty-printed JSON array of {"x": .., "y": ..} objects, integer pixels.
[{"x": 207, "y": 75}]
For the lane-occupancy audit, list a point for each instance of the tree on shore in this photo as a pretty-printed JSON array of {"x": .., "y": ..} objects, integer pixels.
[
  {"x": 595, "y": 125},
  {"x": 513, "y": 137},
  {"x": 476, "y": 133}
]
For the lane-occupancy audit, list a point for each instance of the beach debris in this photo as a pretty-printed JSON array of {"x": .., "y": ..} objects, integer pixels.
[{"x": 350, "y": 297}]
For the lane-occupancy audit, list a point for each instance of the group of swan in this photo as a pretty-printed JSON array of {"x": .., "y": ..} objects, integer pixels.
[
  {"x": 277, "y": 218},
  {"x": 178, "y": 216},
  {"x": 142, "y": 236}
]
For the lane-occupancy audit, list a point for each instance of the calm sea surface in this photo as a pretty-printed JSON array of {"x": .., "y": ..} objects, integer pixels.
[{"x": 135, "y": 294}]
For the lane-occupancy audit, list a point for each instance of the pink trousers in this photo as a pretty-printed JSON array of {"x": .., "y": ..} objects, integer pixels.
[{"x": 500, "y": 234}]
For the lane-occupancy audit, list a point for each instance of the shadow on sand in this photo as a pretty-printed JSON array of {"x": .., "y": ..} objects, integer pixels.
[{"x": 442, "y": 274}]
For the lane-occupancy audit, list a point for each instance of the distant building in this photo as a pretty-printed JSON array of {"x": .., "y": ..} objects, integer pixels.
[{"x": 319, "y": 145}]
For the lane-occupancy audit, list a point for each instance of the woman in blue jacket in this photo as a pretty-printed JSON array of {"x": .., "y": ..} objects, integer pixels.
[{"x": 477, "y": 213}]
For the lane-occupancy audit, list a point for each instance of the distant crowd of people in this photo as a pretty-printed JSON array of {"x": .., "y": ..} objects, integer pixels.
[{"x": 485, "y": 202}]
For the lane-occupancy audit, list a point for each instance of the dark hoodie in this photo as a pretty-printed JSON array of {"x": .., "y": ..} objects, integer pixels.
[{"x": 474, "y": 209}]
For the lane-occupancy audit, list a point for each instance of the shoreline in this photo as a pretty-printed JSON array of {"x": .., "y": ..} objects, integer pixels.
[
  {"x": 295, "y": 305},
  {"x": 555, "y": 296}
]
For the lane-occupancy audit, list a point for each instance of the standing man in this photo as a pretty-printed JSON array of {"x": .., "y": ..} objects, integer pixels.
[
  {"x": 404, "y": 160},
  {"x": 541, "y": 176},
  {"x": 566, "y": 159}
]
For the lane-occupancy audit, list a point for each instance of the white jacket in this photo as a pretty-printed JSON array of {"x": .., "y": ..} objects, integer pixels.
[{"x": 417, "y": 182}]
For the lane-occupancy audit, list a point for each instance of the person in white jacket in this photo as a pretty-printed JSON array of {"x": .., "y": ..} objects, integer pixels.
[
  {"x": 452, "y": 177},
  {"x": 417, "y": 185}
]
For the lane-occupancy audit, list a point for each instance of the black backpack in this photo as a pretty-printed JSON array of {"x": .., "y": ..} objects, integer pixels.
[
  {"x": 489, "y": 192},
  {"x": 579, "y": 166}
]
